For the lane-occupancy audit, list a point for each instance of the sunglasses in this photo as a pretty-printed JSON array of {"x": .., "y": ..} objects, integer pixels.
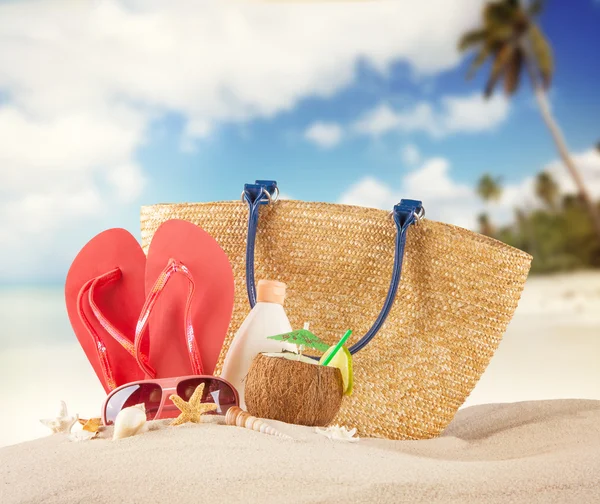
[{"x": 154, "y": 394}]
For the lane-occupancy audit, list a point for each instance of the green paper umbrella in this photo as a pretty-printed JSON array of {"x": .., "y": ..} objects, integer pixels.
[{"x": 302, "y": 337}]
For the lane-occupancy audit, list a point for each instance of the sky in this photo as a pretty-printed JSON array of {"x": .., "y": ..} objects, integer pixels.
[{"x": 106, "y": 106}]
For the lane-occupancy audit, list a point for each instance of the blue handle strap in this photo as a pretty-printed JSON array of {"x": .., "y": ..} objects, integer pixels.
[
  {"x": 405, "y": 213},
  {"x": 257, "y": 194}
]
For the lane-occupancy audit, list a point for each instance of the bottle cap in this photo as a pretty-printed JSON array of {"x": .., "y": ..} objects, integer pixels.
[{"x": 270, "y": 291}]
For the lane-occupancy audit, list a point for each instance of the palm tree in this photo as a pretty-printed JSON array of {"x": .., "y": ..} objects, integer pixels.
[
  {"x": 546, "y": 189},
  {"x": 485, "y": 226},
  {"x": 521, "y": 219},
  {"x": 522, "y": 227},
  {"x": 515, "y": 43},
  {"x": 489, "y": 188}
]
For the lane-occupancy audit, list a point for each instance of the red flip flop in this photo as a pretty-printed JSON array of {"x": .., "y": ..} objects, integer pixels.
[
  {"x": 189, "y": 303},
  {"x": 104, "y": 292}
]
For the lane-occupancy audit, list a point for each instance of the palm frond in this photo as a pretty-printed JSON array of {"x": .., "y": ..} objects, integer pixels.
[
  {"x": 508, "y": 36},
  {"x": 500, "y": 13},
  {"x": 536, "y": 7},
  {"x": 479, "y": 60},
  {"x": 502, "y": 59},
  {"x": 513, "y": 72},
  {"x": 499, "y": 34},
  {"x": 542, "y": 54},
  {"x": 547, "y": 189},
  {"x": 472, "y": 38},
  {"x": 489, "y": 187}
]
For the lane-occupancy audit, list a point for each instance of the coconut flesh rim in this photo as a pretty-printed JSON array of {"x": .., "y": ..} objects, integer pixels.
[{"x": 292, "y": 356}]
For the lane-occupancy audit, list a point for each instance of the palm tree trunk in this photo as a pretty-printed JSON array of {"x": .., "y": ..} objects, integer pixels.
[
  {"x": 563, "y": 151},
  {"x": 557, "y": 136}
]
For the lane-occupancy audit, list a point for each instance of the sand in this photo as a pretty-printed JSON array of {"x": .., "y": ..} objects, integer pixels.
[{"x": 530, "y": 452}]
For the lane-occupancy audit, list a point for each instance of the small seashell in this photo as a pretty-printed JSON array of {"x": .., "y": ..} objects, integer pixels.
[
  {"x": 82, "y": 435},
  {"x": 130, "y": 421},
  {"x": 240, "y": 418},
  {"x": 92, "y": 425},
  {"x": 338, "y": 433},
  {"x": 90, "y": 429}
]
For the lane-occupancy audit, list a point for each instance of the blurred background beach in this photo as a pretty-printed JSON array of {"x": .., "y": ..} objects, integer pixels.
[{"x": 108, "y": 105}]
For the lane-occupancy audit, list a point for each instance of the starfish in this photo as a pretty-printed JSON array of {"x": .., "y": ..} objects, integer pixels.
[
  {"x": 62, "y": 423},
  {"x": 192, "y": 410}
]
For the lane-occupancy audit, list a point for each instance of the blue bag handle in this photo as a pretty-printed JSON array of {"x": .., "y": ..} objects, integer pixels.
[{"x": 405, "y": 213}]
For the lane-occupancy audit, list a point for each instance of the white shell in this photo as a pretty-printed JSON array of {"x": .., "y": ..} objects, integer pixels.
[
  {"x": 338, "y": 433},
  {"x": 82, "y": 435},
  {"x": 130, "y": 421}
]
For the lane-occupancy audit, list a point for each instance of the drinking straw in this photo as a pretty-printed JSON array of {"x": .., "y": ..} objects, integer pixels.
[{"x": 337, "y": 347}]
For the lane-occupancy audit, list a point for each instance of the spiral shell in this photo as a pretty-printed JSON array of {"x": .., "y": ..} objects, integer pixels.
[{"x": 240, "y": 418}]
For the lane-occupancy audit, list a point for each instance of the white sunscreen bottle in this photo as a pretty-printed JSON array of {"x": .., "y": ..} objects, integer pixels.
[{"x": 267, "y": 318}]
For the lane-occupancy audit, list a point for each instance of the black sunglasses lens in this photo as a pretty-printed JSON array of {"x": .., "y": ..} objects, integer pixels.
[{"x": 215, "y": 391}]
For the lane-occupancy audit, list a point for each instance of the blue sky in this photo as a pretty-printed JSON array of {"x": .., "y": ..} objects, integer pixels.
[
  {"x": 107, "y": 106},
  {"x": 276, "y": 147}
]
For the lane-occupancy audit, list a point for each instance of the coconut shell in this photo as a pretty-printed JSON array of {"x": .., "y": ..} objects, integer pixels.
[{"x": 293, "y": 391}]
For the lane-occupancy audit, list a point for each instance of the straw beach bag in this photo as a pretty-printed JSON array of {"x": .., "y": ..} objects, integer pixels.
[{"x": 428, "y": 302}]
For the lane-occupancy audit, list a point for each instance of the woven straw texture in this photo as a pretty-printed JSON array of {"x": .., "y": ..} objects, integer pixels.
[{"x": 457, "y": 295}]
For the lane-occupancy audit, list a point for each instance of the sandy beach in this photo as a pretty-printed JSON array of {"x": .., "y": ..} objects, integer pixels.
[{"x": 534, "y": 452}]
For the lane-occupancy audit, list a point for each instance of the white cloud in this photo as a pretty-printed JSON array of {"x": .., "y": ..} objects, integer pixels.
[
  {"x": 65, "y": 143},
  {"x": 323, "y": 134},
  {"x": 588, "y": 164},
  {"x": 473, "y": 113},
  {"x": 378, "y": 121},
  {"x": 81, "y": 84},
  {"x": 66, "y": 168},
  {"x": 127, "y": 179},
  {"x": 448, "y": 200},
  {"x": 443, "y": 198},
  {"x": 195, "y": 129},
  {"x": 454, "y": 114},
  {"x": 214, "y": 60},
  {"x": 52, "y": 165},
  {"x": 369, "y": 192},
  {"x": 410, "y": 154}
]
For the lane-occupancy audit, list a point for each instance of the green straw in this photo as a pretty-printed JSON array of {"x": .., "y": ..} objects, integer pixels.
[{"x": 337, "y": 347}]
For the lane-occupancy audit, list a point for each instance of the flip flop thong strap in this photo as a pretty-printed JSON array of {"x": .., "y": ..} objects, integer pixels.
[
  {"x": 101, "y": 281},
  {"x": 158, "y": 288},
  {"x": 100, "y": 346}
]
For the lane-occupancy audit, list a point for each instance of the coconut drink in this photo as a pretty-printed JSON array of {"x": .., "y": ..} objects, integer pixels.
[{"x": 294, "y": 388}]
